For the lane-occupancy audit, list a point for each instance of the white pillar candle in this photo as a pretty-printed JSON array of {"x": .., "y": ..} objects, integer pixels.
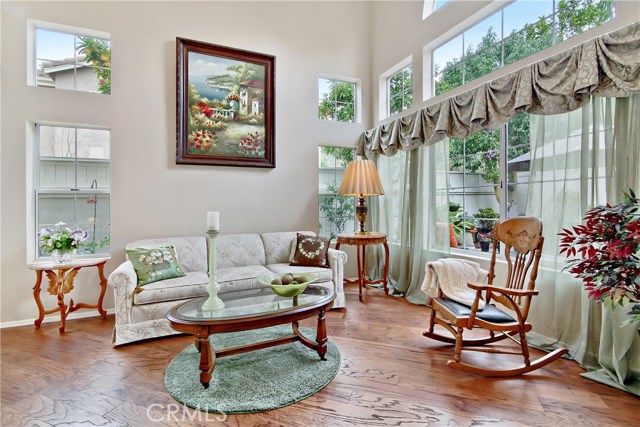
[{"x": 213, "y": 221}]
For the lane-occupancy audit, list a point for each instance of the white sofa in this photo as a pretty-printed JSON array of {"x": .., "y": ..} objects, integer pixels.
[{"x": 241, "y": 258}]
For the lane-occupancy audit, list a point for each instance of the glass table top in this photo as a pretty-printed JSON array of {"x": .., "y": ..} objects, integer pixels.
[{"x": 252, "y": 303}]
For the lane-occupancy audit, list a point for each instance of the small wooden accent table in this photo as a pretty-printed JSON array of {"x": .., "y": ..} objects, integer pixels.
[
  {"x": 61, "y": 277},
  {"x": 252, "y": 309},
  {"x": 362, "y": 239}
]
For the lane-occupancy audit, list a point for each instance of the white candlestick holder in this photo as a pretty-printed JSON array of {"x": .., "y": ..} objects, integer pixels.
[{"x": 213, "y": 303}]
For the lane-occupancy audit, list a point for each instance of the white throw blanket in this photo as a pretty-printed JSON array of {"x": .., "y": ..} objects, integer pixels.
[{"x": 452, "y": 275}]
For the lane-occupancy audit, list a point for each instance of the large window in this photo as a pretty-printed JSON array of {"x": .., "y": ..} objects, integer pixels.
[
  {"x": 336, "y": 213},
  {"x": 69, "y": 60},
  {"x": 73, "y": 183},
  {"x": 337, "y": 100},
  {"x": 485, "y": 187},
  {"x": 518, "y": 30},
  {"x": 400, "y": 90}
]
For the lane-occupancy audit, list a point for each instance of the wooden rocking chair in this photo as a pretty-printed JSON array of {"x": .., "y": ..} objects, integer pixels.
[{"x": 524, "y": 236}]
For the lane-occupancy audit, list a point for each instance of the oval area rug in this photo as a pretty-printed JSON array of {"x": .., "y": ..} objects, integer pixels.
[{"x": 256, "y": 381}]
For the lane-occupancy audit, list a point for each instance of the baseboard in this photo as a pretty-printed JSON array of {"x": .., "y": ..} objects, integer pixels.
[{"x": 54, "y": 317}]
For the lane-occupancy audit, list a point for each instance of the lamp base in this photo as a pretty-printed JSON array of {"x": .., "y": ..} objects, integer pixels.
[{"x": 361, "y": 212}]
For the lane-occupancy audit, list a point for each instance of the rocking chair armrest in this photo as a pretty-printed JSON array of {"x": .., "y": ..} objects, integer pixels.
[{"x": 502, "y": 290}]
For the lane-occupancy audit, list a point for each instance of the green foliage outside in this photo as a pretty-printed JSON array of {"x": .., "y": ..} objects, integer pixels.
[
  {"x": 339, "y": 103},
  {"x": 478, "y": 153},
  {"x": 98, "y": 53},
  {"x": 485, "y": 217},
  {"x": 400, "y": 90},
  {"x": 338, "y": 210}
]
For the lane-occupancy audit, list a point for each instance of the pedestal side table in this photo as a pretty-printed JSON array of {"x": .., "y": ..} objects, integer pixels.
[
  {"x": 61, "y": 277},
  {"x": 361, "y": 240}
]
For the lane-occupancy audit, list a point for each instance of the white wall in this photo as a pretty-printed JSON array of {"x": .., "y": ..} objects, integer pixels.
[{"x": 151, "y": 195}]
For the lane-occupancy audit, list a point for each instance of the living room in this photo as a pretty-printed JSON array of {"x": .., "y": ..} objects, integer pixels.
[{"x": 151, "y": 196}]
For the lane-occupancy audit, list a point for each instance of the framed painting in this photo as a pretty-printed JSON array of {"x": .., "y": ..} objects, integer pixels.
[{"x": 226, "y": 102}]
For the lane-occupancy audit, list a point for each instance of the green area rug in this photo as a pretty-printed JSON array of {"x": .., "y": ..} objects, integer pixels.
[{"x": 257, "y": 381}]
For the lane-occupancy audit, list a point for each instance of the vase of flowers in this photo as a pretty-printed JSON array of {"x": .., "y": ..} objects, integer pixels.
[
  {"x": 62, "y": 242},
  {"x": 606, "y": 253}
]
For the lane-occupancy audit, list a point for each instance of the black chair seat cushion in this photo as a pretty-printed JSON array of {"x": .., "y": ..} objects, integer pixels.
[{"x": 489, "y": 313}]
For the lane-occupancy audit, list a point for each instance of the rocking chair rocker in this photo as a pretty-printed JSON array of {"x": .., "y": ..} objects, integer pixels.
[{"x": 523, "y": 236}]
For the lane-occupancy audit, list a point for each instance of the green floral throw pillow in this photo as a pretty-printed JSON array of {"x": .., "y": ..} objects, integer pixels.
[{"x": 154, "y": 263}]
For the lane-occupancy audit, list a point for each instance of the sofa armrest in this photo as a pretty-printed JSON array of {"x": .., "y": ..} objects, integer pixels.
[
  {"x": 337, "y": 260},
  {"x": 124, "y": 281}
]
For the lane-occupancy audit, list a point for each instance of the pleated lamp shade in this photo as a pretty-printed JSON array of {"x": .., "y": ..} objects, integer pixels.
[{"x": 361, "y": 178}]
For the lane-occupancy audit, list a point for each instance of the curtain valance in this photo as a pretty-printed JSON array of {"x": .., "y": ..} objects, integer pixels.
[{"x": 608, "y": 65}]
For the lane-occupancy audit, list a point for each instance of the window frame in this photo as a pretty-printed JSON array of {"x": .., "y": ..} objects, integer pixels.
[
  {"x": 356, "y": 96},
  {"x": 429, "y": 90},
  {"x": 34, "y": 25},
  {"x": 384, "y": 88},
  {"x": 321, "y": 194},
  {"x": 76, "y": 191}
]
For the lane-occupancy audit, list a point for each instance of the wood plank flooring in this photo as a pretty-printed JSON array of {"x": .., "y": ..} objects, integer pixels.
[{"x": 391, "y": 376}]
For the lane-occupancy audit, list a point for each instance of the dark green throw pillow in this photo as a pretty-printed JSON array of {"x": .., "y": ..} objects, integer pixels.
[{"x": 155, "y": 263}]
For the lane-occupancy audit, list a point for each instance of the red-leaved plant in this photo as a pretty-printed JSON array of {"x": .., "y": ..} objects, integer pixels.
[{"x": 605, "y": 253}]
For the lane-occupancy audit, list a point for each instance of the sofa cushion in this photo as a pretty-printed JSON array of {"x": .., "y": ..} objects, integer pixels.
[
  {"x": 241, "y": 278},
  {"x": 325, "y": 274},
  {"x": 191, "y": 251},
  {"x": 311, "y": 251},
  {"x": 192, "y": 285},
  {"x": 154, "y": 263},
  {"x": 279, "y": 247},
  {"x": 239, "y": 250}
]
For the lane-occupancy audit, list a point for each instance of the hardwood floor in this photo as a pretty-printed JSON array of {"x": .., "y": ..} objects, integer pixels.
[{"x": 391, "y": 376}]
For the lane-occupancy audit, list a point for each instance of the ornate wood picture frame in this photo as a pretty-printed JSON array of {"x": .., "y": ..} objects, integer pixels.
[{"x": 225, "y": 106}]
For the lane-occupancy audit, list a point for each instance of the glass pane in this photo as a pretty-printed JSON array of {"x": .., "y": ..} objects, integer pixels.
[
  {"x": 345, "y": 92},
  {"x": 74, "y": 62},
  {"x": 336, "y": 213},
  {"x": 93, "y": 144},
  {"x": 484, "y": 34},
  {"x": 324, "y": 88},
  {"x": 447, "y": 68},
  {"x": 577, "y": 16},
  {"x": 395, "y": 104},
  {"x": 55, "y": 46},
  {"x": 93, "y": 217},
  {"x": 532, "y": 38},
  {"x": 57, "y": 147},
  {"x": 438, "y": 4},
  {"x": 483, "y": 51},
  {"x": 345, "y": 112},
  {"x": 523, "y": 12},
  {"x": 87, "y": 212}
]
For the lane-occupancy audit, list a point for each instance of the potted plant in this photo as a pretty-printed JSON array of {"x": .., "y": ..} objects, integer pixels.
[
  {"x": 454, "y": 207},
  {"x": 606, "y": 253},
  {"x": 460, "y": 223},
  {"x": 484, "y": 218}
]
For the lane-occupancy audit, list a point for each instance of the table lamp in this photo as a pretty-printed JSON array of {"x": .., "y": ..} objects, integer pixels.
[{"x": 361, "y": 179}]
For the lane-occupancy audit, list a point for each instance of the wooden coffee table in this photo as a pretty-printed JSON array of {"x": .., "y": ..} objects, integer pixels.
[{"x": 252, "y": 309}]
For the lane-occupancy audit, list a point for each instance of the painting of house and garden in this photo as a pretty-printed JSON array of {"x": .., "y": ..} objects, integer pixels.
[{"x": 226, "y": 107}]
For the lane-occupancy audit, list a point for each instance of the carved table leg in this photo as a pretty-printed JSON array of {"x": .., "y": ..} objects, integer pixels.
[
  {"x": 63, "y": 307},
  {"x": 207, "y": 360},
  {"x": 36, "y": 296},
  {"x": 321, "y": 336},
  {"x": 103, "y": 289},
  {"x": 360, "y": 252},
  {"x": 386, "y": 268}
]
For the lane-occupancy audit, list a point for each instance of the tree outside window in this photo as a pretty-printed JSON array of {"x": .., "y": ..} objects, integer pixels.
[
  {"x": 400, "y": 90},
  {"x": 481, "y": 49},
  {"x": 337, "y": 100},
  {"x": 336, "y": 213}
]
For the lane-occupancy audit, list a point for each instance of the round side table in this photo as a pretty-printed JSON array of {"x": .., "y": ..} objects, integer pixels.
[{"x": 361, "y": 240}]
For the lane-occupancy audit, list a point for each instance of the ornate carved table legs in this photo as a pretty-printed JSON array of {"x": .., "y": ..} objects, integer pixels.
[{"x": 60, "y": 283}]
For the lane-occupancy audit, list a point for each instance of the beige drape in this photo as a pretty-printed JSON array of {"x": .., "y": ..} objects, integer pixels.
[{"x": 605, "y": 66}]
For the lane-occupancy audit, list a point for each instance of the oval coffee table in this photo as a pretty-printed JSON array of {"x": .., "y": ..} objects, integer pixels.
[{"x": 252, "y": 309}]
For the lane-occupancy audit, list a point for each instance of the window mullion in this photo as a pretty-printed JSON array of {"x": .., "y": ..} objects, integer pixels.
[{"x": 503, "y": 171}]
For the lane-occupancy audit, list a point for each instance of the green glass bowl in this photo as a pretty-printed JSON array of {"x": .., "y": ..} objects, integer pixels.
[{"x": 288, "y": 291}]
